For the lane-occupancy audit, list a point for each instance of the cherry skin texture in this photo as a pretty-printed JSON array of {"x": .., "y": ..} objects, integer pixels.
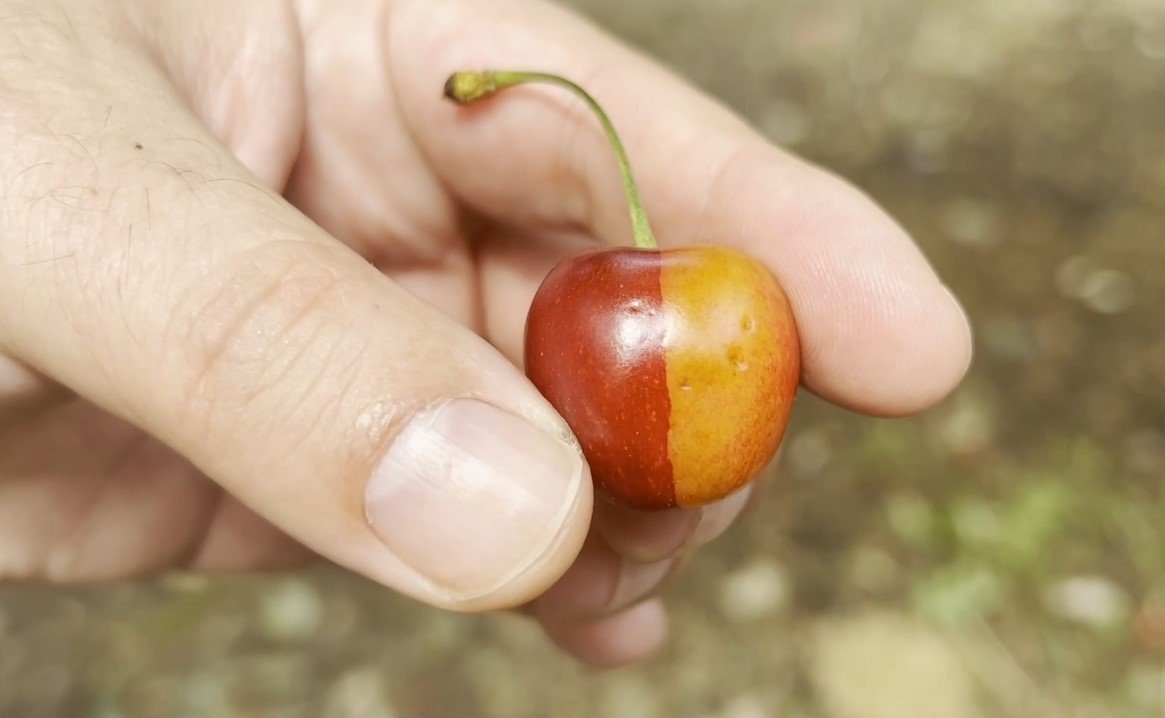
[{"x": 676, "y": 369}]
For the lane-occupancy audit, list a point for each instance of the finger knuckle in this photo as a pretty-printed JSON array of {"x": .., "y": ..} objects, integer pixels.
[{"x": 265, "y": 341}]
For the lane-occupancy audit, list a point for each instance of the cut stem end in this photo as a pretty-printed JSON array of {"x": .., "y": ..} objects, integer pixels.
[{"x": 466, "y": 87}]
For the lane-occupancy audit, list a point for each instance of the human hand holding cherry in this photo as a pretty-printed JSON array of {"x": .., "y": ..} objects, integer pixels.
[{"x": 245, "y": 315}]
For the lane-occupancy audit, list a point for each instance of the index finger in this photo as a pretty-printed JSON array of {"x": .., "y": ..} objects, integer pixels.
[{"x": 880, "y": 333}]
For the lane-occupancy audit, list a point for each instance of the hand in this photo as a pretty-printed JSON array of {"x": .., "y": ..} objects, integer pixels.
[{"x": 196, "y": 372}]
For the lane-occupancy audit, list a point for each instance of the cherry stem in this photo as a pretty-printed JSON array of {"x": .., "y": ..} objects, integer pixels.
[{"x": 466, "y": 87}]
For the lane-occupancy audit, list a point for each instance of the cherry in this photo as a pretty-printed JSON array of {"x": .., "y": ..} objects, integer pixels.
[{"x": 676, "y": 369}]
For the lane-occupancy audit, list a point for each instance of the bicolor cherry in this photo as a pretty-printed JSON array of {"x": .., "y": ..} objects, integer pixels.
[{"x": 676, "y": 369}]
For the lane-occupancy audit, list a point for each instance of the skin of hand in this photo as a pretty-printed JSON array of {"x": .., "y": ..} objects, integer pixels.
[{"x": 262, "y": 296}]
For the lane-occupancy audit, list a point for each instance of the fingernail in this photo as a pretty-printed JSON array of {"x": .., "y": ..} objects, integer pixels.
[
  {"x": 471, "y": 496},
  {"x": 637, "y": 581},
  {"x": 715, "y": 519}
]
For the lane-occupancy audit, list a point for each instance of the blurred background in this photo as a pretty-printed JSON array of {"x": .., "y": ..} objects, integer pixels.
[{"x": 1002, "y": 556}]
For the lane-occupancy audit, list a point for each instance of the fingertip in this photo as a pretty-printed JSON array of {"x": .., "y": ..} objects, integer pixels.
[
  {"x": 880, "y": 333},
  {"x": 716, "y": 518},
  {"x": 623, "y": 639},
  {"x": 602, "y": 583},
  {"x": 651, "y": 536},
  {"x": 585, "y": 589},
  {"x": 904, "y": 350},
  {"x": 645, "y": 536}
]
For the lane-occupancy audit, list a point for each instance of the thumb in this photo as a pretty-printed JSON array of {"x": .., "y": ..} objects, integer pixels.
[{"x": 168, "y": 288}]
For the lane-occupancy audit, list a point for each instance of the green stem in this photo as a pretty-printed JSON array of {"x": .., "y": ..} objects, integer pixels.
[{"x": 467, "y": 87}]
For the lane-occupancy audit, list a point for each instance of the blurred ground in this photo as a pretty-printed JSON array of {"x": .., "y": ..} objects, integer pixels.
[{"x": 1003, "y": 556}]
